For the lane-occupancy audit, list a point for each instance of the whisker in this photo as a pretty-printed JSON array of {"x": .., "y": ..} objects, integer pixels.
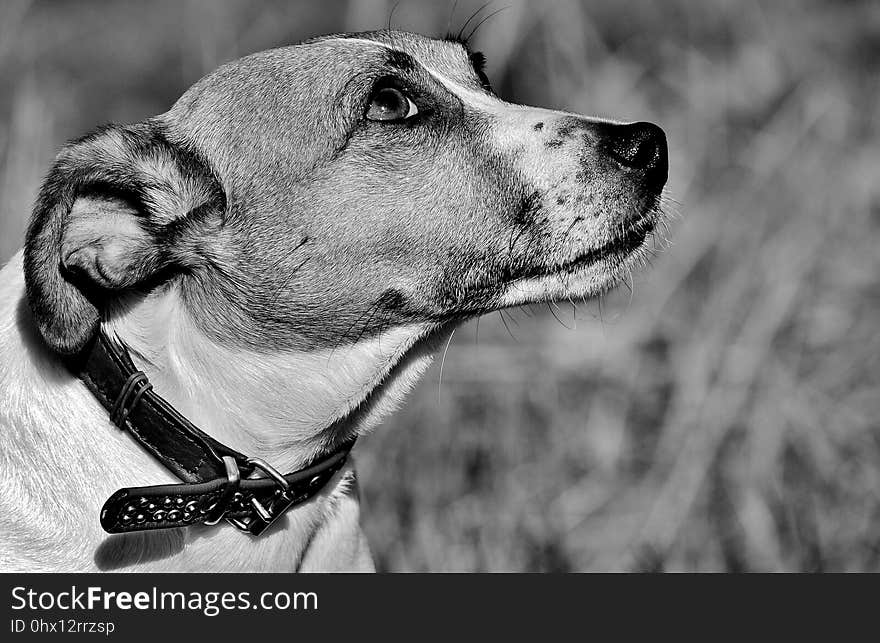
[
  {"x": 555, "y": 316},
  {"x": 451, "y": 16},
  {"x": 631, "y": 285},
  {"x": 504, "y": 321},
  {"x": 442, "y": 363},
  {"x": 391, "y": 15},
  {"x": 480, "y": 23},
  {"x": 459, "y": 37}
]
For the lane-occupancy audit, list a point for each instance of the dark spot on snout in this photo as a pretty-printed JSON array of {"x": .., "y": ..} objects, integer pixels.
[
  {"x": 538, "y": 126},
  {"x": 392, "y": 299},
  {"x": 529, "y": 209},
  {"x": 564, "y": 129},
  {"x": 568, "y": 125},
  {"x": 400, "y": 60}
]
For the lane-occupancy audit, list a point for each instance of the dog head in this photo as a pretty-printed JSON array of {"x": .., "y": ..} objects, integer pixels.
[{"x": 315, "y": 196}]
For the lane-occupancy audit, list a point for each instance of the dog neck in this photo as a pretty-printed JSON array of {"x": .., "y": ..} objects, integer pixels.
[
  {"x": 285, "y": 408},
  {"x": 278, "y": 407}
]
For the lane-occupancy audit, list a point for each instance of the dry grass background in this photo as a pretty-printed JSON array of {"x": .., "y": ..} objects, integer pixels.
[{"x": 724, "y": 416}]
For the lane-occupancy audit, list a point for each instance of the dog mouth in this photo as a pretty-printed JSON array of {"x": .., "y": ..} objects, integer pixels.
[
  {"x": 621, "y": 246},
  {"x": 582, "y": 274}
]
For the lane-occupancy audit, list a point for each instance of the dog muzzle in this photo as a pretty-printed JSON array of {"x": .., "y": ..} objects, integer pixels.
[{"x": 219, "y": 482}]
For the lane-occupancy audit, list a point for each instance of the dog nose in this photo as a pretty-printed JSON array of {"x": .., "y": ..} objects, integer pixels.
[{"x": 640, "y": 147}]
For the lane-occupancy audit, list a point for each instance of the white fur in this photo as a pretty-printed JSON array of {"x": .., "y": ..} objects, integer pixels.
[{"x": 62, "y": 458}]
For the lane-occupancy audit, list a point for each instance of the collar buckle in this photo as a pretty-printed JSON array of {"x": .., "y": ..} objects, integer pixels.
[{"x": 266, "y": 513}]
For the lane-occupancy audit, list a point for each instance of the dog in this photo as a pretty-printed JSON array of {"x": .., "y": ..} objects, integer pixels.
[{"x": 281, "y": 254}]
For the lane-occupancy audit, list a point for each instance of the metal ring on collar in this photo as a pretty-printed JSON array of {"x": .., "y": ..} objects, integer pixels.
[
  {"x": 233, "y": 479},
  {"x": 270, "y": 471}
]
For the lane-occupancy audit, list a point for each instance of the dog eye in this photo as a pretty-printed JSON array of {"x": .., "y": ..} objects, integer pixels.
[{"x": 390, "y": 104}]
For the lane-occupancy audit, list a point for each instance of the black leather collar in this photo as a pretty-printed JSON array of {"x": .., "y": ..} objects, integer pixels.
[{"x": 219, "y": 481}]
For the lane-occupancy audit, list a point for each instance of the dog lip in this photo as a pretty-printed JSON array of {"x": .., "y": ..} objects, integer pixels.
[{"x": 622, "y": 245}]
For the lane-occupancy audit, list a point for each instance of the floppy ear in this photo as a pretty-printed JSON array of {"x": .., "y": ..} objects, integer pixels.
[{"x": 117, "y": 206}]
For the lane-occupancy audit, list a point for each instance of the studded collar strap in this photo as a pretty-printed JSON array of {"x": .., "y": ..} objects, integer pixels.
[{"x": 219, "y": 482}]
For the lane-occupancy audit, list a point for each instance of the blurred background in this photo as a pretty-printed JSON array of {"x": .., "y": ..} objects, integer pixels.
[{"x": 725, "y": 415}]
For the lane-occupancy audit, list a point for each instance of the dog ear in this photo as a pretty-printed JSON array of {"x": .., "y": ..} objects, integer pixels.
[{"x": 116, "y": 208}]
